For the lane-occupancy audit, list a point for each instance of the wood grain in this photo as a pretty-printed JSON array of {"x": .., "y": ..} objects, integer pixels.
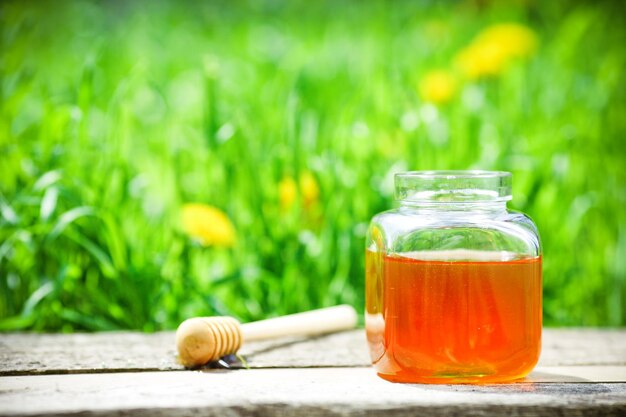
[
  {"x": 24, "y": 354},
  {"x": 294, "y": 392},
  {"x": 582, "y": 372}
]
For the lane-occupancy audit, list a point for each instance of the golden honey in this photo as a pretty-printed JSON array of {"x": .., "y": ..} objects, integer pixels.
[{"x": 438, "y": 321}]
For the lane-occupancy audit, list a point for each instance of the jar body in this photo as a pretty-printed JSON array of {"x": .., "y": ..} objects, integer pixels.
[{"x": 453, "y": 292}]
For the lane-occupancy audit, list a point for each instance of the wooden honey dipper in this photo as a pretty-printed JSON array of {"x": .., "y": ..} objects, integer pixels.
[{"x": 205, "y": 339}]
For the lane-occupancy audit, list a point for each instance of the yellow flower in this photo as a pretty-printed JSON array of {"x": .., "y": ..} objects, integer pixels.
[
  {"x": 437, "y": 87},
  {"x": 516, "y": 40},
  {"x": 308, "y": 189},
  {"x": 207, "y": 224},
  {"x": 287, "y": 191},
  {"x": 481, "y": 60},
  {"x": 494, "y": 48}
]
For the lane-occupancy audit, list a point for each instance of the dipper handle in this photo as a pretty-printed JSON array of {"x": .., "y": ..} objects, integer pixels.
[
  {"x": 309, "y": 323},
  {"x": 205, "y": 339}
]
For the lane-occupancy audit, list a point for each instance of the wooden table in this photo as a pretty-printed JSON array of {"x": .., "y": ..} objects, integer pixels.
[{"x": 581, "y": 372}]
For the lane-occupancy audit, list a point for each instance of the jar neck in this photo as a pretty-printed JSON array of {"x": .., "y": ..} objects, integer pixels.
[
  {"x": 471, "y": 191},
  {"x": 490, "y": 207}
]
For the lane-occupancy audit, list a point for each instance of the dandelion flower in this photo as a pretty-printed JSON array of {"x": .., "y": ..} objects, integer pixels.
[
  {"x": 209, "y": 225},
  {"x": 309, "y": 189},
  {"x": 481, "y": 60},
  {"x": 494, "y": 48},
  {"x": 287, "y": 192},
  {"x": 306, "y": 187},
  {"x": 437, "y": 87}
]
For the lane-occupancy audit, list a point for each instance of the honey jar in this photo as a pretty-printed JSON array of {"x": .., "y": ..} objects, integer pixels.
[{"x": 453, "y": 282}]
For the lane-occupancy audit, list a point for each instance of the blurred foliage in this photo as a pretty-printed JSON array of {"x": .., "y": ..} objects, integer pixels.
[{"x": 285, "y": 121}]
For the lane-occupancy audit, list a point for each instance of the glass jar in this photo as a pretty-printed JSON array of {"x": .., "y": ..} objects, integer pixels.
[{"x": 453, "y": 282}]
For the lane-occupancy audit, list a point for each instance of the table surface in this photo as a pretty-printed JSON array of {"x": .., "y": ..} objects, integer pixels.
[{"x": 581, "y": 372}]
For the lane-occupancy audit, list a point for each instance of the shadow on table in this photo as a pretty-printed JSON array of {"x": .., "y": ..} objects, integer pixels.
[
  {"x": 536, "y": 383},
  {"x": 541, "y": 377}
]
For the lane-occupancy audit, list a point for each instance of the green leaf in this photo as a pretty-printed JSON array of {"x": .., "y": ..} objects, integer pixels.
[
  {"x": 68, "y": 218},
  {"x": 38, "y": 295},
  {"x": 104, "y": 261},
  {"x": 48, "y": 203},
  {"x": 8, "y": 213},
  {"x": 16, "y": 323},
  {"x": 47, "y": 179}
]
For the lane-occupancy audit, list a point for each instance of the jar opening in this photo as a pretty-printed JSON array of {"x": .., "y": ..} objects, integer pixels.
[{"x": 453, "y": 186}]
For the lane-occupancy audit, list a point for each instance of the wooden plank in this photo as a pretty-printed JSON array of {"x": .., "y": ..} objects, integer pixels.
[
  {"x": 566, "y": 347},
  {"x": 582, "y": 373},
  {"x": 126, "y": 351},
  {"x": 294, "y": 392},
  {"x": 63, "y": 353}
]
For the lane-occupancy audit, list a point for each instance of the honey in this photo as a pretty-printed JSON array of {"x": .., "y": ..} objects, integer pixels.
[{"x": 460, "y": 316}]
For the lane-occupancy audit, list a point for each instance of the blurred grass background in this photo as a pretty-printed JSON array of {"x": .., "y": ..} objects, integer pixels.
[{"x": 165, "y": 159}]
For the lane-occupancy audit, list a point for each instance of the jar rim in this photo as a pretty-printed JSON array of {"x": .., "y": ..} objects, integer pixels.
[
  {"x": 452, "y": 174},
  {"x": 453, "y": 186}
]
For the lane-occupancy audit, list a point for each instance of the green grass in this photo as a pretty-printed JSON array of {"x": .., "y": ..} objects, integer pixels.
[{"x": 114, "y": 114}]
